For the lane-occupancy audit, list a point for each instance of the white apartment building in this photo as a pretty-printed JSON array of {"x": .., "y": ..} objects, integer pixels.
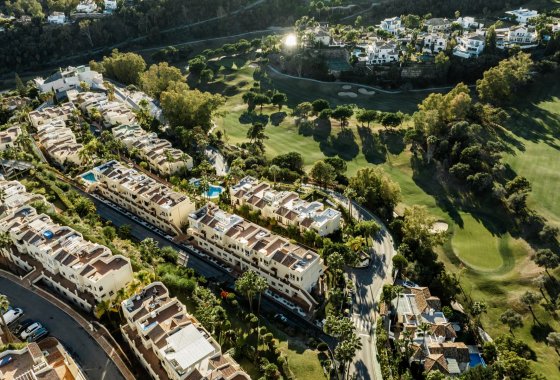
[
  {"x": 8, "y": 137},
  {"x": 170, "y": 343},
  {"x": 46, "y": 115},
  {"x": 15, "y": 195},
  {"x": 56, "y": 18},
  {"x": 468, "y": 22},
  {"x": 434, "y": 43},
  {"x": 47, "y": 359},
  {"x": 84, "y": 272},
  {"x": 382, "y": 52},
  {"x": 116, "y": 113},
  {"x": 285, "y": 207},
  {"x": 59, "y": 142},
  {"x": 289, "y": 269},
  {"x": 87, "y": 101},
  {"x": 391, "y": 25},
  {"x": 522, "y": 15},
  {"x": 142, "y": 195},
  {"x": 470, "y": 45},
  {"x": 437, "y": 25},
  {"x": 158, "y": 153},
  {"x": 110, "y": 5},
  {"x": 69, "y": 79},
  {"x": 524, "y": 36}
]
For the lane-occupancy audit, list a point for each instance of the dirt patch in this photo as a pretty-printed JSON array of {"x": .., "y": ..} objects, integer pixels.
[{"x": 348, "y": 94}]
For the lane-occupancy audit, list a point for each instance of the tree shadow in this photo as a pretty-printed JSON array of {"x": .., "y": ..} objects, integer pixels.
[
  {"x": 372, "y": 147},
  {"x": 342, "y": 145},
  {"x": 540, "y": 332},
  {"x": 277, "y": 117},
  {"x": 322, "y": 129},
  {"x": 393, "y": 139},
  {"x": 253, "y": 117}
]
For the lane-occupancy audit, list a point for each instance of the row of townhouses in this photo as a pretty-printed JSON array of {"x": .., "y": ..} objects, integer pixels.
[
  {"x": 158, "y": 153},
  {"x": 68, "y": 79},
  {"x": 290, "y": 269},
  {"x": 84, "y": 272},
  {"x": 9, "y": 137},
  {"x": 285, "y": 207},
  {"x": 55, "y": 135},
  {"x": 436, "y": 348},
  {"x": 47, "y": 359},
  {"x": 141, "y": 195},
  {"x": 170, "y": 343}
]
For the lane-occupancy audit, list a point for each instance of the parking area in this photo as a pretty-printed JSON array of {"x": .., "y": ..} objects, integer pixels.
[{"x": 83, "y": 348}]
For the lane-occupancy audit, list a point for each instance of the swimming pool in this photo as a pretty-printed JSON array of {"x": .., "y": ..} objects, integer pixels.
[
  {"x": 214, "y": 191},
  {"x": 476, "y": 360},
  {"x": 89, "y": 177}
]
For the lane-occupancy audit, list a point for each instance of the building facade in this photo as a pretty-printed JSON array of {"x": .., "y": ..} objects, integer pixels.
[
  {"x": 170, "y": 343},
  {"x": 142, "y": 195},
  {"x": 289, "y": 269}
]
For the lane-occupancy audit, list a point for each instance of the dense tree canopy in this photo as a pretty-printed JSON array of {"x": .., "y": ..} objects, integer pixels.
[{"x": 158, "y": 77}]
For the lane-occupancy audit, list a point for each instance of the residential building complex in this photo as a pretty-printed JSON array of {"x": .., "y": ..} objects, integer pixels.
[
  {"x": 435, "y": 348},
  {"x": 8, "y": 137},
  {"x": 46, "y": 360},
  {"x": 285, "y": 207},
  {"x": 142, "y": 195},
  {"x": 289, "y": 269},
  {"x": 524, "y": 36},
  {"x": 470, "y": 45},
  {"x": 84, "y": 272},
  {"x": 54, "y": 135},
  {"x": 14, "y": 195},
  {"x": 112, "y": 112},
  {"x": 157, "y": 153},
  {"x": 170, "y": 343},
  {"x": 70, "y": 78}
]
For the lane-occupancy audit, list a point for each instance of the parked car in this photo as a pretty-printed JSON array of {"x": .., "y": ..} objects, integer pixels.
[
  {"x": 38, "y": 334},
  {"x": 169, "y": 237},
  {"x": 281, "y": 318},
  {"x": 12, "y": 315},
  {"x": 23, "y": 325},
  {"x": 30, "y": 330},
  {"x": 6, "y": 360},
  {"x": 409, "y": 284}
]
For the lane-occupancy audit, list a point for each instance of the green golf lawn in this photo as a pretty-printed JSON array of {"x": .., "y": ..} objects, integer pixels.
[{"x": 492, "y": 266}]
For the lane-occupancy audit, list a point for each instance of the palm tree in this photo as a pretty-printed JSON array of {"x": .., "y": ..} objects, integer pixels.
[
  {"x": 274, "y": 170},
  {"x": 424, "y": 329},
  {"x": 2, "y": 195},
  {"x": 4, "y": 306},
  {"x": 345, "y": 352},
  {"x": 349, "y": 193},
  {"x": 529, "y": 299}
]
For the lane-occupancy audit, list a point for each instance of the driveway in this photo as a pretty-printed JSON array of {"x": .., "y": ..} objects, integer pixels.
[{"x": 81, "y": 346}]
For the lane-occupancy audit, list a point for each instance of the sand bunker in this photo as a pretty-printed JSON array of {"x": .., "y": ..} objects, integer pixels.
[
  {"x": 439, "y": 227},
  {"x": 346, "y": 87},
  {"x": 365, "y": 91},
  {"x": 348, "y": 94}
]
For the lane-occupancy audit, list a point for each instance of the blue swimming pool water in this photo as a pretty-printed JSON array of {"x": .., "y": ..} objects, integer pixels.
[
  {"x": 476, "y": 360},
  {"x": 89, "y": 177},
  {"x": 214, "y": 191}
]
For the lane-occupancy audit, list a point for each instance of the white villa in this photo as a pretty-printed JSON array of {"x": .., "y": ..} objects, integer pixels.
[
  {"x": 434, "y": 43},
  {"x": 468, "y": 22},
  {"x": 469, "y": 45},
  {"x": 437, "y": 25},
  {"x": 87, "y": 6},
  {"x": 391, "y": 25},
  {"x": 285, "y": 207},
  {"x": 289, "y": 269},
  {"x": 524, "y": 36},
  {"x": 381, "y": 52},
  {"x": 56, "y": 18},
  {"x": 522, "y": 15}
]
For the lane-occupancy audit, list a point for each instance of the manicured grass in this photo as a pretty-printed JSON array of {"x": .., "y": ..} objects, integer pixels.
[
  {"x": 492, "y": 265},
  {"x": 302, "y": 361},
  {"x": 476, "y": 247}
]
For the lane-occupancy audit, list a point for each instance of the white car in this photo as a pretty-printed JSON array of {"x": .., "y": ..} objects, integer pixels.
[
  {"x": 409, "y": 284},
  {"x": 28, "y": 331},
  {"x": 12, "y": 315}
]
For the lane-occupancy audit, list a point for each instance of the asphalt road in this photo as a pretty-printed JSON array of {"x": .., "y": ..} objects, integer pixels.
[{"x": 81, "y": 346}]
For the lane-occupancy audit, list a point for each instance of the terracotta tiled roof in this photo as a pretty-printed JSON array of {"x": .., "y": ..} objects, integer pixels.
[{"x": 436, "y": 362}]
